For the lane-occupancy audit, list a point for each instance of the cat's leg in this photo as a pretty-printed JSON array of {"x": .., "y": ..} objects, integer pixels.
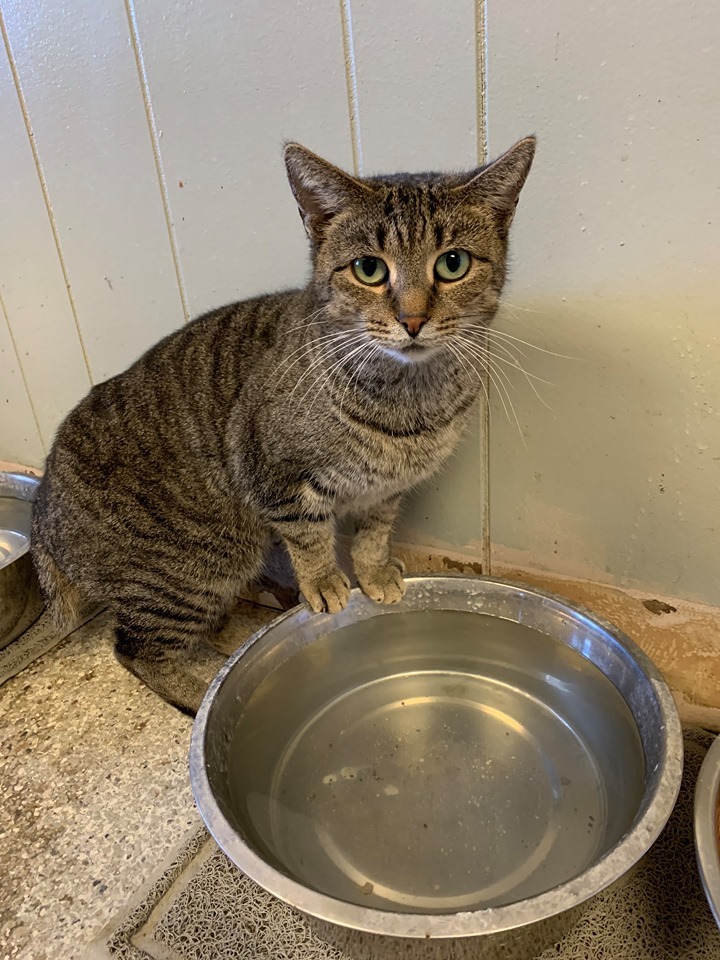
[
  {"x": 311, "y": 545},
  {"x": 163, "y": 668},
  {"x": 161, "y": 639},
  {"x": 379, "y": 574}
]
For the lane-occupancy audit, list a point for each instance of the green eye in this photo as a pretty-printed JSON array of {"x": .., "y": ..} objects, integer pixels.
[
  {"x": 452, "y": 265},
  {"x": 371, "y": 271}
]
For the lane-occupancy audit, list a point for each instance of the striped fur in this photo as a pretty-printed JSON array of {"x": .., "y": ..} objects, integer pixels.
[{"x": 273, "y": 416}]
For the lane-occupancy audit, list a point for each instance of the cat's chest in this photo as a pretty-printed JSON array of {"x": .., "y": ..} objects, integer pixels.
[{"x": 371, "y": 465}]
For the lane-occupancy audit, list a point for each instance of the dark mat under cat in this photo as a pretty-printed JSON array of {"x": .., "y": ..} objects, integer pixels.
[{"x": 201, "y": 907}]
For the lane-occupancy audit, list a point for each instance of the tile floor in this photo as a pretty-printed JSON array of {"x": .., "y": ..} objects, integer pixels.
[{"x": 94, "y": 791}]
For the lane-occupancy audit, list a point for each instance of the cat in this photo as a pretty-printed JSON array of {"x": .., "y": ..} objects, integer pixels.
[{"x": 278, "y": 414}]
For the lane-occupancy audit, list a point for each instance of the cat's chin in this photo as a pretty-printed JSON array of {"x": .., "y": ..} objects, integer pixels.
[{"x": 413, "y": 352}]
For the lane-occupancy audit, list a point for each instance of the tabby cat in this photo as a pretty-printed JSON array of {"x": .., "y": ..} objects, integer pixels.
[{"x": 275, "y": 416}]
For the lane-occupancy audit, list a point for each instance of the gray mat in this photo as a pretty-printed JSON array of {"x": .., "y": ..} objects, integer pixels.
[{"x": 201, "y": 907}]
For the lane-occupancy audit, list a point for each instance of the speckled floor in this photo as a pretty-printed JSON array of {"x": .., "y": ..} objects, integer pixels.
[{"x": 94, "y": 791}]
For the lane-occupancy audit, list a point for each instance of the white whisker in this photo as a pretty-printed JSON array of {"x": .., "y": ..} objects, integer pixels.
[
  {"x": 310, "y": 318},
  {"x": 517, "y": 365},
  {"x": 303, "y": 350},
  {"x": 375, "y": 348},
  {"x": 468, "y": 364},
  {"x": 515, "y": 306},
  {"x": 509, "y": 336},
  {"x": 326, "y": 353},
  {"x": 495, "y": 379},
  {"x": 493, "y": 332},
  {"x": 330, "y": 373}
]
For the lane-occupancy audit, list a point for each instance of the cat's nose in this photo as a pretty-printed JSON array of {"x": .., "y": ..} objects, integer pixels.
[{"x": 413, "y": 324}]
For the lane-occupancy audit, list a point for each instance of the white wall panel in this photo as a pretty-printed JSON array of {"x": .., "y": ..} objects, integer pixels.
[
  {"x": 616, "y": 256},
  {"x": 80, "y": 81},
  {"x": 229, "y": 82},
  {"x": 416, "y": 82},
  {"x": 31, "y": 279},
  {"x": 20, "y": 440}
]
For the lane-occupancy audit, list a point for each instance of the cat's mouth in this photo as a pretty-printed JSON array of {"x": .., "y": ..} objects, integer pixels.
[
  {"x": 416, "y": 350},
  {"x": 413, "y": 347}
]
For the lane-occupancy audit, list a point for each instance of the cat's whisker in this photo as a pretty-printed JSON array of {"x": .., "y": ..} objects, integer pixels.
[
  {"x": 330, "y": 374},
  {"x": 500, "y": 389},
  {"x": 375, "y": 348},
  {"x": 515, "y": 362},
  {"x": 515, "y": 306},
  {"x": 469, "y": 365},
  {"x": 310, "y": 318},
  {"x": 326, "y": 352},
  {"x": 308, "y": 323},
  {"x": 486, "y": 359},
  {"x": 303, "y": 351},
  {"x": 481, "y": 336},
  {"x": 493, "y": 332},
  {"x": 497, "y": 381},
  {"x": 502, "y": 334},
  {"x": 529, "y": 377}
]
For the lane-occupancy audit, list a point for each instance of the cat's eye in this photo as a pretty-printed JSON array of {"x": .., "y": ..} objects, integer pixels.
[
  {"x": 372, "y": 271},
  {"x": 452, "y": 265}
]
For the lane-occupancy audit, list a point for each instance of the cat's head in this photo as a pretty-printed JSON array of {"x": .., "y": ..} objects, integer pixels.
[{"x": 410, "y": 259}]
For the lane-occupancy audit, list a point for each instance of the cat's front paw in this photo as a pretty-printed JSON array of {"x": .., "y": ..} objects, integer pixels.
[
  {"x": 328, "y": 594},
  {"x": 384, "y": 584}
]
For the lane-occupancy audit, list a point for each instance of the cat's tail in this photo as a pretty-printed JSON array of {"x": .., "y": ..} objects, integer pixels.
[{"x": 64, "y": 601}]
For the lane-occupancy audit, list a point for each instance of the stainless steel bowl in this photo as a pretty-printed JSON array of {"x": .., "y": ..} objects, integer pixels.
[
  {"x": 20, "y": 600},
  {"x": 478, "y": 759},
  {"x": 707, "y": 826}
]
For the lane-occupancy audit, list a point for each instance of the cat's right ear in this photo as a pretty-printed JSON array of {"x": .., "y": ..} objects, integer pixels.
[{"x": 320, "y": 189}]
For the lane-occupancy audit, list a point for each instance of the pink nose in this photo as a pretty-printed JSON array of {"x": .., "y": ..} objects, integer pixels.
[{"x": 413, "y": 325}]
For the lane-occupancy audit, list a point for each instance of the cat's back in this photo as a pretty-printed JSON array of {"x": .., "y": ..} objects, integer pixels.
[{"x": 179, "y": 394}]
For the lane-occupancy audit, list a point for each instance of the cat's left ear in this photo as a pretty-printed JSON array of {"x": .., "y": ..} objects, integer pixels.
[
  {"x": 499, "y": 184},
  {"x": 321, "y": 189}
]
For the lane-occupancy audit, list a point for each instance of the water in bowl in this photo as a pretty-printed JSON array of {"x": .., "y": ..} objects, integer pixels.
[{"x": 435, "y": 762}]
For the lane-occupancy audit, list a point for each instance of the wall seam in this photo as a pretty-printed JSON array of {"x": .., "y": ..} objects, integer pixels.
[
  {"x": 482, "y": 155},
  {"x": 157, "y": 156},
  {"x": 46, "y": 196},
  {"x": 3, "y": 310},
  {"x": 481, "y": 76},
  {"x": 352, "y": 87}
]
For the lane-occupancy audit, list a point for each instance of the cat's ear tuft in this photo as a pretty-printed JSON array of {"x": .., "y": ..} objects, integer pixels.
[
  {"x": 320, "y": 189},
  {"x": 500, "y": 182}
]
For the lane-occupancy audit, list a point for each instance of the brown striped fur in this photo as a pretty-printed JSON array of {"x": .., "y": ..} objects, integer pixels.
[{"x": 275, "y": 416}]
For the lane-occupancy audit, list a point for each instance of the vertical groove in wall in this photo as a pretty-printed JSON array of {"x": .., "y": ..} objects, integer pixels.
[
  {"x": 481, "y": 78},
  {"x": 155, "y": 140},
  {"x": 482, "y": 152},
  {"x": 3, "y": 311},
  {"x": 46, "y": 196},
  {"x": 351, "y": 81}
]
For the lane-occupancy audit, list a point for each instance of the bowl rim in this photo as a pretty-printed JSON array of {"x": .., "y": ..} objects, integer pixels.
[
  {"x": 16, "y": 485},
  {"x": 490, "y": 920},
  {"x": 705, "y": 819}
]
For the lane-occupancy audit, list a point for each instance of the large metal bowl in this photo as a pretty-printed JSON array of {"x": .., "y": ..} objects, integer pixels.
[
  {"x": 20, "y": 600},
  {"x": 707, "y": 826},
  {"x": 478, "y": 759}
]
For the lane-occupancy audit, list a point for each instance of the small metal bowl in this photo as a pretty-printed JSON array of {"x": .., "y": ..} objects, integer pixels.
[
  {"x": 707, "y": 827},
  {"x": 20, "y": 600},
  {"x": 478, "y": 759}
]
